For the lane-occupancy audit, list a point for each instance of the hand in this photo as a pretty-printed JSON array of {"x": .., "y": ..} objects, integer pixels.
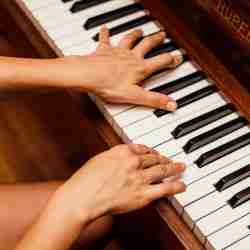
[
  {"x": 123, "y": 179},
  {"x": 113, "y": 73}
]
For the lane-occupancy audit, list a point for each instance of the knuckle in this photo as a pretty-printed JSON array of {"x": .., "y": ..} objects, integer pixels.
[
  {"x": 164, "y": 170},
  {"x": 169, "y": 58},
  {"x": 148, "y": 40},
  {"x": 128, "y": 38},
  {"x": 123, "y": 150},
  {"x": 145, "y": 179},
  {"x": 134, "y": 161},
  {"x": 143, "y": 69},
  {"x": 163, "y": 159}
]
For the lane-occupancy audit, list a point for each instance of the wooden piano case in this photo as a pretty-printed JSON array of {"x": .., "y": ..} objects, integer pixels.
[{"x": 193, "y": 30}]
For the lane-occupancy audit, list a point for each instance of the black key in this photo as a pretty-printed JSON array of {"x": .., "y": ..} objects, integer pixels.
[
  {"x": 180, "y": 83},
  {"x": 112, "y": 15},
  {"x": 223, "y": 150},
  {"x": 185, "y": 58},
  {"x": 233, "y": 178},
  {"x": 186, "y": 100},
  {"x": 163, "y": 48},
  {"x": 126, "y": 26},
  {"x": 240, "y": 198},
  {"x": 85, "y": 4},
  {"x": 214, "y": 134},
  {"x": 66, "y": 1},
  {"x": 203, "y": 120}
]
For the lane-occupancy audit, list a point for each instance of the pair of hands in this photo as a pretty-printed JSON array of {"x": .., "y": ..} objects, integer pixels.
[
  {"x": 124, "y": 178},
  {"x": 127, "y": 177}
]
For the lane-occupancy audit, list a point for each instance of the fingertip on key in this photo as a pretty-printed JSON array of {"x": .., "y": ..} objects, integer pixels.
[{"x": 171, "y": 106}]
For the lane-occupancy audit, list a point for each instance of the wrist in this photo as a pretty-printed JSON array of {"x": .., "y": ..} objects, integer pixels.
[
  {"x": 80, "y": 211},
  {"x": 74, "y": 72}
]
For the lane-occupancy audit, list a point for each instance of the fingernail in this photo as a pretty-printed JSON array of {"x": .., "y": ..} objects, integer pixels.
[
  {"x": 171, "y": 106},
  {"x": 182, "y": 165},
  {"x": 177, "y": 56}
]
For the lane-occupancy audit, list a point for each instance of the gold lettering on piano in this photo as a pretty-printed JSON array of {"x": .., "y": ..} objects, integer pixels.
[{"x": 236, "y": 21}]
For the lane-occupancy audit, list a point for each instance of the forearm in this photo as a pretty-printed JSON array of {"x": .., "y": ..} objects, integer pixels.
[
  {"x": 20, "y": 206},
  {"x": 58, "y": 227},
  {"x": 20, "y": 73}
]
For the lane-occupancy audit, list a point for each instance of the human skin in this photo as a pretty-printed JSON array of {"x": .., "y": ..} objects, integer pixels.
[
  {"x": 120, "y": 180},
  {"x": 113, "y": 73}
]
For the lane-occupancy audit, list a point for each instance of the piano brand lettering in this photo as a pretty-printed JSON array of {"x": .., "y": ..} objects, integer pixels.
[{"x": 236, "y": 21}]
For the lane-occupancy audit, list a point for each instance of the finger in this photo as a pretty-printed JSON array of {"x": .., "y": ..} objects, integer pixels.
[
  {"x": 128, "y": 41},
  {"x": 148, "y": 43},
  {"x": 104, "y": 37},
  {"x": 165, "y": 189},
  {"x": 140, "y": 149},
  {"x": 149, "y": 160},
  {"x": 159, "y": 172},
  {"x": 163, "y": 61},
  {"x": 178, "y": 58},
  {"x": 139, "y": 96}
]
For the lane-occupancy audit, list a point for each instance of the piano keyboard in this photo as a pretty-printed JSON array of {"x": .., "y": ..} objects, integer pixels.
[{"x": 207, "y": 133}]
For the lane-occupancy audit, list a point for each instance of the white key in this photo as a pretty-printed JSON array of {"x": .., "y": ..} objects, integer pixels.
[
  {"x": 163, "y": 134},
  {"x": 156, "y": 81},
  {"x": 184, "y": 140},
  {"x": 64, "y": 16},
  {"x": 114, "y": 109},
  {"x": 197, "y": 153},
  {"x": 139, "y": 113},
  {"x": 76, "y": 25},
  {"x": 167, "y": 76},
  {"x": 179, "y": 143},
  {"x": 83, "y": 49},
  {"x": 37, "y": 4},
  {"x": 90, "y": 46},
  {"x": 195, "y": 173},
  {"x": 50, "y": 14},
  {"x": 240, "y": 245},
  {"x": 205, "y": 186},
  {"x": 152, "y": 122},
  {"x": 229, "y": 235},
  {"x": 148, "y": 29},
  {"x": 212, "y": 202},
  {"x": 219, "y": 219},
  {"x": 83, "y": 36}
]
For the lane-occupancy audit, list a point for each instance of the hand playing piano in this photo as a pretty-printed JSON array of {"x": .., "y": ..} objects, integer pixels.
[
  {"x": 122, "y": 179},
  {"x": 116, "y": 73}
]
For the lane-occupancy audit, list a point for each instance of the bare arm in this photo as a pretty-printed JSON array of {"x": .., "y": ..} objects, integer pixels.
[
  {"x": 112, "y": 73},
  {"x": 21, "y": 205},
  {"x": 120, "y": 180}
]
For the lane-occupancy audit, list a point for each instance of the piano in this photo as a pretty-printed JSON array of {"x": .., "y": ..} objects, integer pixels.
[{"x": 210, "y": 130}]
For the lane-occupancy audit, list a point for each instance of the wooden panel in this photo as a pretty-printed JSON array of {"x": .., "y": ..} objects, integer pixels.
[
  {"x": 172, "y": 14},
  {"x": 43, "y": 136}
]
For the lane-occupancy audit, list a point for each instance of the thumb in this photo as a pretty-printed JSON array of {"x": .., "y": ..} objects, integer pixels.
[{"x": 140, "y": 96}]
